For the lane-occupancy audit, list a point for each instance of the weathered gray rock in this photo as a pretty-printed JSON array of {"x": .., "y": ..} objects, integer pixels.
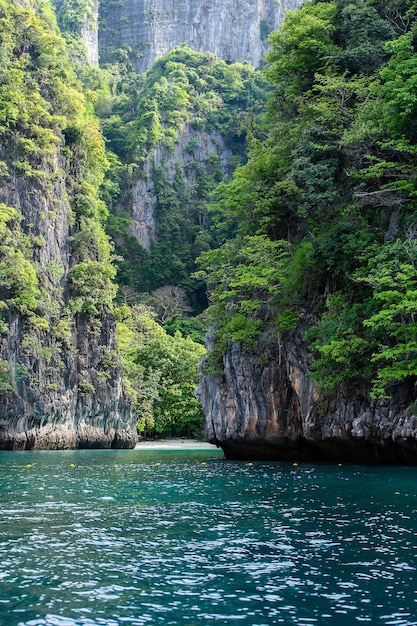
[
  {"x": 265, "y": 406},
  {"x": 234, "y": 31},
  {"x": 66, "y": 377},
  {"x": 89, "y": 33},
  {"x": 144, "y": 198}
]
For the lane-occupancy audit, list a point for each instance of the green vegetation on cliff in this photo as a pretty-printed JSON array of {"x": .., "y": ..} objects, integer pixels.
[
  {"x": 324, "y": 212},
  {"x": 180, "y": 129},
  {"x": 44, "y": 114},
  {"x": 315, "y": 226},
  {"x": 56, "y": 261},
  {"x": 162, "y": 374}
]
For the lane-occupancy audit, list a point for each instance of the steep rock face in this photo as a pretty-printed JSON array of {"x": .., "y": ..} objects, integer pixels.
[
  {"x": 188, "y": 133},
  {"x": 62, "y": 385},
  {"x": 144, "y": 196},
  {"x": 234, "y": 31},
  {"x": 62, "y": 400},
  {"x": 265, "y": 406},
  {"x": 60, "y": 375},
  {"x": 89, "y": 33}
]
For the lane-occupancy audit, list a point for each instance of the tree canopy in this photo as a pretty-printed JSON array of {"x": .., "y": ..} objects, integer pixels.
[{"x": 323, "y": 213}]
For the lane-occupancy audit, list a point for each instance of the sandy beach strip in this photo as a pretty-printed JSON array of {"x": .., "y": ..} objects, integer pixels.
[{"x": 174, "y": 444}]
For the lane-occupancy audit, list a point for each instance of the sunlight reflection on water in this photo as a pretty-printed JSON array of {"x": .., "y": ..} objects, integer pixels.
[{"x": 93, "y": 538}]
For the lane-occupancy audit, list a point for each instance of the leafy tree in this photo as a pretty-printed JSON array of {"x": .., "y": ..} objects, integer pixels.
[
  {"x": 392, "y": 275},
  {"x": 18, "y": 278},
  {"x": 162, "y": 373},
  {"x": 361, "y": 36},
  {"x": 399, "y": 86},
  {"x": 187, "y": 326},
  {"x": 341, "y": 349},
  {"x": 301, "y": 47}
]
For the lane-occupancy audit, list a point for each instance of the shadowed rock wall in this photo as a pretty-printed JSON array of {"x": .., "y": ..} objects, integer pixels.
[
  {"x": 62, "y": 379},
  {"x": 265, "y": 406}
]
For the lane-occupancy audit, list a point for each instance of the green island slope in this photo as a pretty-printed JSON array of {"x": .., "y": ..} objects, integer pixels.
[{"x": 323, "y": 260}]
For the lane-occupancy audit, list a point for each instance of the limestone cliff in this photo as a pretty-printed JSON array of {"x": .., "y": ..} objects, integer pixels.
[
  {"x": 173, "y": 161},
  {"x": 148, "y": 29},
  {"x": 188, "y": 133},
  {"x": 145, "y": 30},
  {"x": 265, "y": 406},
  {"x": 60, "y": 376},
  {"x": 89, "y": 33}
]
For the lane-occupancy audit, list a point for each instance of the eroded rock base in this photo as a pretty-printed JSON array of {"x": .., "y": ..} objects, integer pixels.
[
  {"x": 265, "y": 406},
  {"x": 62, "y": 437}
]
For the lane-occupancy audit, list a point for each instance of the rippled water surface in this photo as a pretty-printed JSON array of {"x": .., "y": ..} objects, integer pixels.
[{"x": 157, "y": 537}]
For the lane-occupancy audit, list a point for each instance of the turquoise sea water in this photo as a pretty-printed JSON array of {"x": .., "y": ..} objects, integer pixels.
[{"x": 141, "y": 538}]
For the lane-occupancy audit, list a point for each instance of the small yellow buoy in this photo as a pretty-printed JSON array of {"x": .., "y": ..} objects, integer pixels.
[
  {"x": 28, "y": 465},
  {"x": 339, "y": 465},
  {"x": 115, "y": 465},
  {"x": 157, "y": 464},
  {"x": 295, "y": 464},
  {"x": 72, "y": 464},
  {"x": 250, "y": 464},
  {"x": 203, "y": 463}
]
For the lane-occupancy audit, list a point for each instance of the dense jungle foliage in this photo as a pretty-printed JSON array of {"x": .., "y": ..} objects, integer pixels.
[
  {"x": 184, "y": 92},
  {"x": 324, "y": 212}
]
